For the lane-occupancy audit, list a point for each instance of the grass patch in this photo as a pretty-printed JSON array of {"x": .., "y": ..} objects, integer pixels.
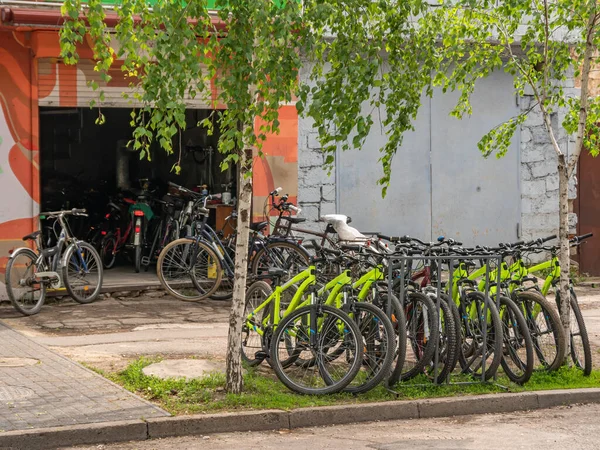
[{"x": 263, "y": 391}]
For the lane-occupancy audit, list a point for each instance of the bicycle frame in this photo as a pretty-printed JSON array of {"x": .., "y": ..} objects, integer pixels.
[
  {"x": 306, "y": 278},
  {"x": 554, "y": 273}
]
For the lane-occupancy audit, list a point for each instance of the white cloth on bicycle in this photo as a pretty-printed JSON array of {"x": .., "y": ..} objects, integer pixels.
[{"x": 344, "y": 231}]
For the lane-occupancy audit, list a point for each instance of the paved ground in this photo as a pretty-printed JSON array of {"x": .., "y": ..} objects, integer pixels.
[
  {"x": 552, "y": 429},
  {"x": 39, "y": 388},
  {"x": 112, "y": 331}
]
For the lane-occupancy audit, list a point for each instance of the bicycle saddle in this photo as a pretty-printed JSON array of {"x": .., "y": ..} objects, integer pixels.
[
  {"x": 467, "y": 263},
  {"x": 294, "y": 219},
  {"x": 32, "y": 236},
  {"x": 257, "y": 226},
  {"x": 277, "y": 272}
]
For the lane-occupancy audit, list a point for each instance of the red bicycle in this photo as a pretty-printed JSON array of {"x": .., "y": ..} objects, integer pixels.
[{"x": 113, "y": 241}]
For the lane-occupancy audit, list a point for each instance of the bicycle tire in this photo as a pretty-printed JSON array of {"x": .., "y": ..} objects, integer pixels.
[
  {"x": 379, "y": 347},
  {"x": 108, "y": 247},
  {"x": 586, "y": 364},
  {"x": 174, "y": 272},
  {"x": 271, "y": 255},
  {"x": 68, "y": 262},
  {"x": 474, "y": 329},
  {"x": 457, "y": 337},
  {"x": 322, "y": 382},
  {"x": 13, "y": 275},
  {"x": 137, "y": 259},
  {"x": 518, "y": 357},
  {"x": 256, "y": 294},
  {"x": 448, "y": 344},
  {"x": 421, "y": 334},
  {"x": 398, "y": 320},
  {"x": 548, "y": 358}
]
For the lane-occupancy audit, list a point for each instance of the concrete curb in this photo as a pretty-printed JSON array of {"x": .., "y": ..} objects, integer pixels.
[
  {"x": 138, "y": 430},
  {"x": 93, "y": 433}
]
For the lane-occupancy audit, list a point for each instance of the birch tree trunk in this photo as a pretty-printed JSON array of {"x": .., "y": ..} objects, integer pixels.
[
  {"x": 564, "y": 256},
  {"x": 235, "y": 381}
]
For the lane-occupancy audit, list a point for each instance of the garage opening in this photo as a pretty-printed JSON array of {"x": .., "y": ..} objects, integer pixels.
[{"x": 85, "y": 165}]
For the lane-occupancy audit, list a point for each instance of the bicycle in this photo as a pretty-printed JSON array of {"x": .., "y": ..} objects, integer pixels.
[
  {"x": 113, "y": 241},
  {"x": 581, "y": 352},
  {"x": 313, "y": 348},
  {"x": 71, "y": 262},
  {"x": 165, "y": 231},
  {"x": 264, "y": 253}
]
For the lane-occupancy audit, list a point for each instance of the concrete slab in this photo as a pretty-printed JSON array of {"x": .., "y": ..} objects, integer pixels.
[{"x": 184, "y": 368}]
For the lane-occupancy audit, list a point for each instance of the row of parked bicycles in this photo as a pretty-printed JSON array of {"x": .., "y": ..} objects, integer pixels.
[
  {"x": 371, "y": 319},
  {"x": 337, "y": 310},
  {"x": 136, "y": 224}
]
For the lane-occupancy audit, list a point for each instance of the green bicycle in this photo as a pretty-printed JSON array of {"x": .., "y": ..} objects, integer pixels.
[
  {"x": 472, "y": 306},
  {"x": 313, "y": 348},
  {"x": 518, "y": 356},
  {"x": 581, "y": 352}
]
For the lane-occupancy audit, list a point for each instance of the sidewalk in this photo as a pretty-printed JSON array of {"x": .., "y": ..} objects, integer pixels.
[{"x": 41, "y": 389}]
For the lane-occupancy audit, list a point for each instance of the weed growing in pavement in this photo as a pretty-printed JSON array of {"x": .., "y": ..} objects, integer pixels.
[{"x": 263, "y": 391}]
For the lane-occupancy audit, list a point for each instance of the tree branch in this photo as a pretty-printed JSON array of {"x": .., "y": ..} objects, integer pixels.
[{"x": 536, "y": 93}]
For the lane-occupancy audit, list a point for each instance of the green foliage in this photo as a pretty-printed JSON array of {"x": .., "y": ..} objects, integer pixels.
[
  {"x": 174, "y": 50},
  {"x": 363, "y": 60},
  {"x": 264, "y": 391},
  {"x": 371, "y": 59},
  {"x": 543, "y": 44}
]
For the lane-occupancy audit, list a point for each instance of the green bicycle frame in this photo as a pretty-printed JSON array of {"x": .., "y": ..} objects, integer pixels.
[
  {"x": 554, "y": 273},
  {"x": 479, "y": 273},
  {"x": 364, "y": 283},
  {"x": 306, "y": 278}
]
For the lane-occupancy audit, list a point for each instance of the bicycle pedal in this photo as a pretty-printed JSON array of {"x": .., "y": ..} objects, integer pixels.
[
  {"x": 262, "y": 355},
  {"x": 145, "y": 261}
]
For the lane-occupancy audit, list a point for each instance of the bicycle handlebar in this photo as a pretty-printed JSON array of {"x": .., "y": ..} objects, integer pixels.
[
  {"x": 184, "y": 190},
  {"x": 578, "y": 239},
  {"x": 67, "y": 212}
]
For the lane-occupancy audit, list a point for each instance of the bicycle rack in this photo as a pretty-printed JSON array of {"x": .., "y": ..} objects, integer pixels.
[{"x": 398, "y": 264}]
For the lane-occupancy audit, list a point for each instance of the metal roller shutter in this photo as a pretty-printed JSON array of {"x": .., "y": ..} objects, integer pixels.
[{"x": 68, "y": 86}]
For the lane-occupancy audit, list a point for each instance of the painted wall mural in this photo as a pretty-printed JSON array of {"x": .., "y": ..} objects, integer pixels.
[
  {"x": 19, "y": 156},
  {"x": 31, "y": 75}
]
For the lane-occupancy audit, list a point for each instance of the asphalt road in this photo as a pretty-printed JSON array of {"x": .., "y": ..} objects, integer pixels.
[{"x": 558, "y": 428}]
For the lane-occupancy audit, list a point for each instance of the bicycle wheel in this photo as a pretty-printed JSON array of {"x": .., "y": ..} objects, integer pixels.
[
  {"x": 398, "y": 321},
  {"x": 476, "y": 349},
  {"x": 422, "y": 332},
  {"x": 518, "y": 357},
  {"x": 82, "y": 272},
  {"x": 108, "y": 248},
  {"x": 447, "y": 347},
  {"x": 184, "y": 280},
  {"x": 581, "y": 352},
  {"x": 545, "y": 329},
  {"x": 378, "y": 340},
  {"x": 282, "y": 255},
  {"x": 252, "y": 340},
  {"x": 317, "y": 331},
  {"x": 26, "y": 295}
]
